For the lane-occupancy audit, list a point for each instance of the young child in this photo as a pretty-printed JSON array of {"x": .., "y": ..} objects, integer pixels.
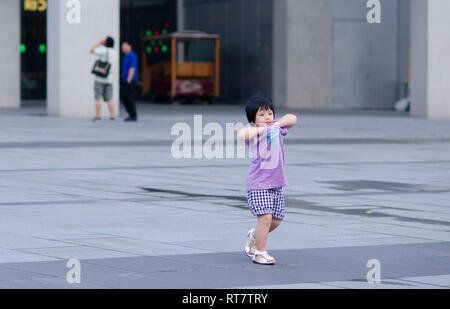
[{"x": 266, "y": 177}]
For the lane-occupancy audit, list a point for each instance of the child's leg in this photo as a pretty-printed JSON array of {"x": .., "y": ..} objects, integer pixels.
[
  {"x": 262, "y": 230},
  {"x": 279, "y": 210},
  {"x": 275, "y": 223}
]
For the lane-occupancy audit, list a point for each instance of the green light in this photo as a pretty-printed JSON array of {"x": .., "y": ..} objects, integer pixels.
[
  {"x": 165, "y": 49},
  {"x": 149, "y": 50},
  {"x": 164, "y": 31},
  {"x": 23, "y": 48},
  {"x": 152, "y": 43},
  {"x": 160, "y": 43},
  {"x": 42, "y": 48},
  {"x": 149, "y": 33}
]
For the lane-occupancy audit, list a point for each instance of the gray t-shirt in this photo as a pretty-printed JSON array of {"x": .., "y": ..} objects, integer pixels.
[{"x": 109, "y": 55}]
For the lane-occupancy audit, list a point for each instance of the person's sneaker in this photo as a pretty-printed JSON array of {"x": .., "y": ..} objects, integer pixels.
[
  {"x": 129, "y": 119},
  {"x": 112, "y": 118},
  {"x": 96, "y": 119}
]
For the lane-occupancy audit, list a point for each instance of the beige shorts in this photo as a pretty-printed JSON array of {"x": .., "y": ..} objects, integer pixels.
[{"x": 104, "y": 91}]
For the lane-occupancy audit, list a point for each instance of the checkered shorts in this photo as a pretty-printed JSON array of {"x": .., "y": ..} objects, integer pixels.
[{"x": 267, "y": 202}]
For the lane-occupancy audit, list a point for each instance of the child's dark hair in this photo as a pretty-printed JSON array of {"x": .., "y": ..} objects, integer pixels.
[{"x": 255, "y": 104}]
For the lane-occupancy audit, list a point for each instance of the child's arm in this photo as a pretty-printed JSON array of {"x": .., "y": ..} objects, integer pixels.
[
  {"x": 247, "y": 134},
  {"x": 288, "y": 121}
]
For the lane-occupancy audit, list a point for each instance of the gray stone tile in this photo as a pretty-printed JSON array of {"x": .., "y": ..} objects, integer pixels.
[
  {"x": 9, "y": 274},
  {"x": 9, "y": 256},
  {"x": 133, "y": 280},
  {"x": 56, "y": 269},
  {"x": 137, "y": 247},
  {"x": 12, "y": 241},
  {"x": 77, "y": 252},
  {"x": 441, "y": 281},
  {"x": 384, "y": 284},
  {"x": 73, "y": 184},
  {"x": 48, "y": 283},
  {"x": 148, "y": 265},
  {"x": 294, "y": 286}
]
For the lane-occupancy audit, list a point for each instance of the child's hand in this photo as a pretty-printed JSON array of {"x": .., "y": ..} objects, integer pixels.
[
  {"x": 288, "y": 121},
  {"x": 249, "y": 133}
]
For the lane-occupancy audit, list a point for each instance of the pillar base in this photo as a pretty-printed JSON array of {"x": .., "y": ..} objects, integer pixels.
[{"x": 9, "y": 50}]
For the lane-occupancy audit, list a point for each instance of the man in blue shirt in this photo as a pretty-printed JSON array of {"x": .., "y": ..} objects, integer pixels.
[{"x": 129, "y": 78}]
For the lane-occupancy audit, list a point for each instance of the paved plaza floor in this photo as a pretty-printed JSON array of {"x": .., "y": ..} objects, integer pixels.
[{"x": 363, "y": 185}]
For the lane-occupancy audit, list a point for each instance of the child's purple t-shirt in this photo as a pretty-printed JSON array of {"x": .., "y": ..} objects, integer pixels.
[{"x": 267, "y": 160}]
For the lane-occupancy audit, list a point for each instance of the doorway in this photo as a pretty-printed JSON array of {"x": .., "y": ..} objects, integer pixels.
[
  {"x": 33, "y": 52},
  {"x": 141, "y": 18}
]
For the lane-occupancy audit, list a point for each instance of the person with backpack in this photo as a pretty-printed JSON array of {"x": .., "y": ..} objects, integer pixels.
[{"x": 104, "y": 71}]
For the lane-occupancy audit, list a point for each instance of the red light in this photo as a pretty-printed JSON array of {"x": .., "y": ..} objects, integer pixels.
[
  {"x": 157, "y": 49},
  {"x": 167, "y": 25},
  {"x": 156, "y": 32}
]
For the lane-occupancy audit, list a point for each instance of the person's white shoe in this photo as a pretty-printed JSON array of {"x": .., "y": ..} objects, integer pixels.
[
  {"x": 250, "y": 250},
  {"x": 263, "y": 258}
]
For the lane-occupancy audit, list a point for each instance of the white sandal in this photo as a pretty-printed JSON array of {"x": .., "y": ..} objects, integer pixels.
[
  {"x": 266, "y": 258},
  {"x": 250, "y": 250}
]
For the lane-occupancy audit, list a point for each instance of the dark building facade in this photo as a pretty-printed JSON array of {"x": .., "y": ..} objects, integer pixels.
[{"x": 246, "y": 30}]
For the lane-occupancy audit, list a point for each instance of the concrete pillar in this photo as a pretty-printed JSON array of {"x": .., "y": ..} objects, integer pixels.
[
  {"x": 180, "y": 28},
  {"x": 9, "y": 54},
  {"x": 180, "y": 15},
  {"x": 70, "y": 85},
  {"x": 302, "y": 45},
  {"x": 430, "y": 63}
]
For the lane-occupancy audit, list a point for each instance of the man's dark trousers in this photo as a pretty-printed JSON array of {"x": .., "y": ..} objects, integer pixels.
[{"x": 128, "y": 90}]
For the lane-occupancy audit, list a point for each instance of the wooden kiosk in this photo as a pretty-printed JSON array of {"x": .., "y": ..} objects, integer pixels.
[{"x": 181, "y": 80}]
